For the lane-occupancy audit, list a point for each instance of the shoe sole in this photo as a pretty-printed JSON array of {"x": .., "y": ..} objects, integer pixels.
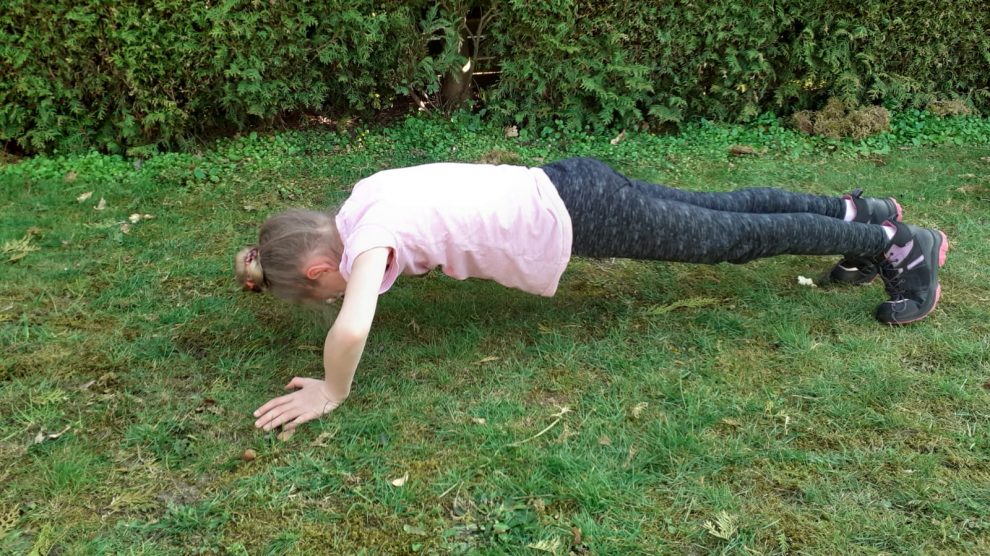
[
  {"x": 899, "y": 217},
  {"x": 943, "y": 250}
]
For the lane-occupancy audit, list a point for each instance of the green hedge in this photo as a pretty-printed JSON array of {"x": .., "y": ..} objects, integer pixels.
[{"x": 129, "y": 74}]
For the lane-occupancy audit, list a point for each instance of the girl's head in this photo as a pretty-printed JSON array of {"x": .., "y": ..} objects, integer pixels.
[{"x": 295, "y": 250}]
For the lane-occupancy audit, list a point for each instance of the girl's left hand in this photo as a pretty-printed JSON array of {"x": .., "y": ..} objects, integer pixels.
[{"x": 310, "y": 401}]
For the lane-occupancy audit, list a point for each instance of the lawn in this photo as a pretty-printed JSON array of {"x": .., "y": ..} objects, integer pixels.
[{"x": 648, "y": 408}]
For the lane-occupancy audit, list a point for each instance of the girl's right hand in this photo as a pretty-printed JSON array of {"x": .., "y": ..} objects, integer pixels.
[{"x": 311, "y": 400}]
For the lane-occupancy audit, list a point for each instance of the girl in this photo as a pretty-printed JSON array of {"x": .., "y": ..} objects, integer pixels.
[{"x": 519, "y": 226}]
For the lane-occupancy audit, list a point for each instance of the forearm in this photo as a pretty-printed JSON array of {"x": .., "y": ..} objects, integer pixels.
[{"x": 341, "y": 355}]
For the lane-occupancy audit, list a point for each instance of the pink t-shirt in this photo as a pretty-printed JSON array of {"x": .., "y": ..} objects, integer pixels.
[{"x": 503, "y": 223}]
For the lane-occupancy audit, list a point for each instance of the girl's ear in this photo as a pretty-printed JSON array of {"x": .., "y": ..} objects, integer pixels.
[{"x": 314, "y": 270}]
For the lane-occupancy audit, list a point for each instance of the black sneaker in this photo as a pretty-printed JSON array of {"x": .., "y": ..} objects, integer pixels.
[
  {"x": 912, "y": 281},
  {"x": 857, "y": 270}
]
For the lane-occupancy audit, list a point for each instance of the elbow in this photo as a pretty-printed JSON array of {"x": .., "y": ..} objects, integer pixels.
[{"x": 350, "y": 335}]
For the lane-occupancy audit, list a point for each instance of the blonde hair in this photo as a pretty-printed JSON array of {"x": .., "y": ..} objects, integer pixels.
[{"x": 286, "y": 240}]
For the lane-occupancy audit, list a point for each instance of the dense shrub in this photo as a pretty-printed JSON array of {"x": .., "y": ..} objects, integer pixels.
[
  {"x": 617, "y": 62},
  {"x": 130, "y": 73}
]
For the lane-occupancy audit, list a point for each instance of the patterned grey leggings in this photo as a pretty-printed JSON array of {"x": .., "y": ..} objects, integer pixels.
[{"x": 614, "y": 216}]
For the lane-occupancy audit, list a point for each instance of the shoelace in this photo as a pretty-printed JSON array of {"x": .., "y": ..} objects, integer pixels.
[{"x": 893, "y": 281}]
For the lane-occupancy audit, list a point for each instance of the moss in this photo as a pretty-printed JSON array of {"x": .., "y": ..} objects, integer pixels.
[
  {"x": 949, "y": 108},
  {"x": 838, "y": 120}
]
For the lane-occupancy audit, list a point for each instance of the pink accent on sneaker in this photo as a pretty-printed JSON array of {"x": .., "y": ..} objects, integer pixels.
[
  {"x": 900, "y": 210},
  {"x": 942, "y": 251},
  {"x": 890, "y": 229},
  {"x": 850, "y": 209}
]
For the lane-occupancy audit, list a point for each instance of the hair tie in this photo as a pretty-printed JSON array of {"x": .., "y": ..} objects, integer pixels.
[{"x": 248, "y": 269}]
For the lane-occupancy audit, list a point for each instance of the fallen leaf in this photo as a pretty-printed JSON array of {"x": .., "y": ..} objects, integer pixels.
[
  {"x": 414, "y": 530},
  {"x": 576, "y": 531},
  {"x": 604, "y": 440},
  {"x": 134, "y": 218},
  {"x": 84, "y": 197},
  {"x": 637, "y": 410},
  {"x": 321, "y": 440},
  {"x": 125, "y": 228},
  {"x": 71, "y": 177},
  {"x": 400, "y": 481},
  {"x": 285, "y": 435},
  {"x": 479, "y": 420},
  {"x": 629, "y": 456},
  {"x": 18, "y": 248},
  {"x": 511, "y": 131},
  {"x": 101, "y": 205},
  {"x": 42, "y": 437},
  {"x": 689, "y": 303},
  {"x": 724, "y": 527},
  {"x": 618, "y": 138},
  {"x": 249, "y": 455},
  {"x": 741, "y": 150},
  {"x": 551, "y": 545}
]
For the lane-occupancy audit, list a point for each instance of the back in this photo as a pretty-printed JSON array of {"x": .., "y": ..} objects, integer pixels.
[{"x": 504, "y": 223}]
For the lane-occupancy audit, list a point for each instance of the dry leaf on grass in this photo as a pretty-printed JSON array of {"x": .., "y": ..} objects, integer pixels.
[
  {"x": 618, "y": 138},
  {"x": 741, "y": 150},
  {"x": 321, "y": 440},
  {"x": 84, "y": 197},
  {"x": 285, "y": 435},
  {"x": 400, "y": 481},
  {"x": 478, "y": 420},
  {"x": 17, "y": 249},
  {"x": 638, "y": 409},
  {"x": 42, "y": 437},
  {"x": 551, "y": 545},
  {"x": 511, "y": 131},
  {"x": 101, "y": 205},
  {"x": 725, "y": 526}
]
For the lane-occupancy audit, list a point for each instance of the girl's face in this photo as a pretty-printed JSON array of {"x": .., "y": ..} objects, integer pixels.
[{"x": 328, "y": 286}]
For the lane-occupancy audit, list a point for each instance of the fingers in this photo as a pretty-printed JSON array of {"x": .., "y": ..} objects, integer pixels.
[
  {"x": 309, "y": 416},
  {"x": 296, "y": 383},
  {"x": 272, "y": 404},
  {"x": 277, "y": 418}
]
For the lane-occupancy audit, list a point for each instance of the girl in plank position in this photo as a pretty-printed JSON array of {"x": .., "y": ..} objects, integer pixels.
[{"x": 519, "y": 226}]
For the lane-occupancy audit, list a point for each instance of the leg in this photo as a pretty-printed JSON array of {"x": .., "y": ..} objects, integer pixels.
[
  {"x": 613, "y": 218},
  {"x": 764, "y": 200},
  {"x": 610, "y": 218}
]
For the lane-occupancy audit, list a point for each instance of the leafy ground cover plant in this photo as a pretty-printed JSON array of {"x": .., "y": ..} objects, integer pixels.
[{"x": 648, "y": 408}]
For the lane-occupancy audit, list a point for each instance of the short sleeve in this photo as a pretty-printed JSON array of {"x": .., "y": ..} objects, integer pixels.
[{"x": 369, "y": 237}]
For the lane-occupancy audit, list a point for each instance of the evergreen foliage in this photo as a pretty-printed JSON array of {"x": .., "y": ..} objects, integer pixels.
[{"x": 141, "y": 74}]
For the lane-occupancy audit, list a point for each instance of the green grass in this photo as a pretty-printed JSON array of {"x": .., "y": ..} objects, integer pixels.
[{"x": 782, "y": 416}]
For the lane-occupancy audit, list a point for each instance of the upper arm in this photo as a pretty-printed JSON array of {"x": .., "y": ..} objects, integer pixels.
[{"x": 361, "y": 294}]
